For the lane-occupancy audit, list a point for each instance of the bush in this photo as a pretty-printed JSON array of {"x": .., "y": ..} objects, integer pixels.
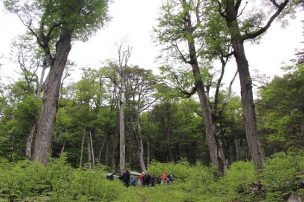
[
  {"x": 282, "y": 173},
  {"x": 30, "y": 181},
  {"x": 58, "y": 181}
]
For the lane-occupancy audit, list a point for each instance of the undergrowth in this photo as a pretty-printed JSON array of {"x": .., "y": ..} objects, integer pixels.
[{"x": 58, "y": 181}]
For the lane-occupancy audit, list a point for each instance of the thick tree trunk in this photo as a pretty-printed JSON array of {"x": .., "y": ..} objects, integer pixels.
[
  {"x": 246, "y": 86},
  {"x": 29, "y": 141},
  {"x": 46, "y": 122},
  {"x": 215, "y": 150}
]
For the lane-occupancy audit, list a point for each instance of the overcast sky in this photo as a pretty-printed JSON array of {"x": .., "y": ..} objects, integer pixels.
[{"x": 133, "y": 20}]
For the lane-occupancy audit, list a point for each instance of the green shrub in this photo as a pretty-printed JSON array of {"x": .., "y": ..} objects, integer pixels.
[
  {"x": 58, "y": 181},
  {"x": 282, "y": 173}
]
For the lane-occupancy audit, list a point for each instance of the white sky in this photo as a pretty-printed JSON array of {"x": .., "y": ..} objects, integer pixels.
[{"x": 133, "y": 20}]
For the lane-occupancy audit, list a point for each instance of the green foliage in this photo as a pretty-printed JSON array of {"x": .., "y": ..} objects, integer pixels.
[
  {"x": 58, "y": 181},
  {"x": 79, "y": 16},
  {"x": 281, "y": 111},
  {"x": 282, "y": 174},
  {"x": 16, "y": 124}
]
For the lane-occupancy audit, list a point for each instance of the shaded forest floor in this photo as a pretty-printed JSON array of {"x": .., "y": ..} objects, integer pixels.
[{"x": 28, "y": 181}]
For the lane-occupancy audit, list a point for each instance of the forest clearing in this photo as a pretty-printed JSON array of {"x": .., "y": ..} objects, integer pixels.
[{"x": 122, "y": 132}]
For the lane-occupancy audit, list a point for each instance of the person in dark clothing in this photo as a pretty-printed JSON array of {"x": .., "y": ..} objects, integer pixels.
[
  {"x": 126, "y": 178},
  {"x": 149, "y": 180},
  {"x": 170, "y": 179}
]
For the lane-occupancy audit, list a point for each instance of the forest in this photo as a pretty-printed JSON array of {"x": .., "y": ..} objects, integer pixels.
[{"x": 60, "y": 139}]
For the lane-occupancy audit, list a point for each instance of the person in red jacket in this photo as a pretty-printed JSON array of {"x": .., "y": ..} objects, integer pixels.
[{"x": 164, "y": 178}]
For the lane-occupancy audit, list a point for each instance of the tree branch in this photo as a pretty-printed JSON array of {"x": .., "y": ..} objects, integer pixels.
[
  {"x": 243, "y": 9},
  {"x": 253, "y": 35},
  {"x": 275, "y": 3},
  {"x": 237, "y": 4},
  {"x": 180, "y": 53},
  {"x": 220, "y": 6}
]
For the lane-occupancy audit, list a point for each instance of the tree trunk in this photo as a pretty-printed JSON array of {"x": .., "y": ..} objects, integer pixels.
[
  {"x": 92, "y": 149},
  {"x": 115, "y": 142},
  {"x": 46, "y": 122},
  {"x": 246, "y": 86},
  {"x": 81, "y": 149},
  {"x": 89, "y": 156},
  {"x": 107, "y": 153},
  {"x": 62, "y": 148},
  {"x": 237, "y": 149},
  {"x": 29, "y": 142},
  {"x": 148, "y": 143},
  {"x": 148, "y": 154},
  {"x": 122, "y": 138},
  {"x": 101, "y": 148},
  {"x": 140, "y": 146}
]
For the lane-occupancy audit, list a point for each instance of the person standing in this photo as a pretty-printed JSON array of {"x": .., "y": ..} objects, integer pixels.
[
  {"x": 126, "y": 178},
  {"x": 164, "y": 178}
]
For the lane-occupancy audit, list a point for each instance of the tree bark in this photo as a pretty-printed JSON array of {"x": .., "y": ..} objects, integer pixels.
[
  {"x": 62, "y": 148},
  {"x": 46, "y": 122},
  {"x": 107, "y": 153},
  {"x": 122, "y": 138},
  {"x": 115, "y": 142},
  {"x": 29, "y": 142},
  {"x": 246, "y": 85},
  {"x": 148, "y": 154},
  {"x": 101, "y": 148},
  {"x": 81, "y": 148},
  {"x": 140, "y": 146},
  {"x": 237, "y": 149},
  {"x": 92, "y": 149},
  {"x": 89, "y": 156}
]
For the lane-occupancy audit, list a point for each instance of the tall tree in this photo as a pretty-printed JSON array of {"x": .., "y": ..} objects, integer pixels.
[
  {"x": 240, "y": 31},
  {"x": 55, "y": 24},
  {"x": 124, "y": 53},
  {"x": 181, "y": 28},
  {"x": 139, "y": 95},
  {"x": 26, "y": 53}
]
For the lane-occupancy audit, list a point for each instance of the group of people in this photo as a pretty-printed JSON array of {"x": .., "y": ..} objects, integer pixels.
[
  {"x": 143, "y": 179},
  {"x": 166, "y": 178}
]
